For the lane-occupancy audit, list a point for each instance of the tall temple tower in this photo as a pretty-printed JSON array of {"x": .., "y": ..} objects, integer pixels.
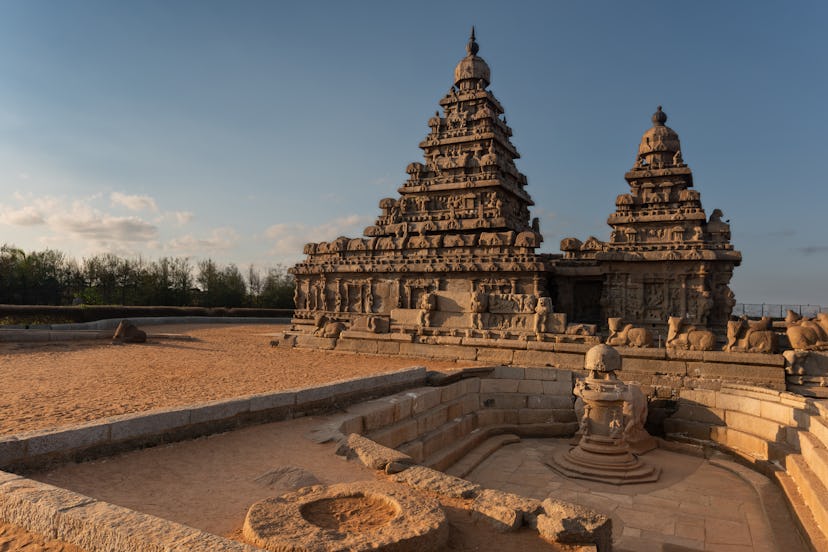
[
  {"x": 460, "y": 225},
  {"x": 664, "y": 257}
]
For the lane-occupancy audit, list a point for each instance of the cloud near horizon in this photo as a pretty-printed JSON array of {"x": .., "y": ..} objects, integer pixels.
[
  {"x": 289, "y": 239},
  {"x": 133, "y": 202}
]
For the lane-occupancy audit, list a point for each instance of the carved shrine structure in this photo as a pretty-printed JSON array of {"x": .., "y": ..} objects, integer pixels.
[{"x": 455, "y": 253}]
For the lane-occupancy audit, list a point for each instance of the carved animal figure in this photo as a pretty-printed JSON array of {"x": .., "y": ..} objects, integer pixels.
[
  {"x": 326, "y": 328},
  {"x": 635, "y": 414},
  {"x": 751, "y": 336},
  {"x": 807, "y": 334},
  {"x": 127, "y": 332},
  {"x": 680, "y": 336},
  {"x": 627, "y": 335}
]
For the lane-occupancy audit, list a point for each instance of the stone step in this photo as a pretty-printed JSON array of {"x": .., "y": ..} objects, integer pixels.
[
  {"x": 476, "y": 456},
  {"x": 819, "y": 429},
  {"x": 815, "y": 391},
  {"x": 815, "y": 454},
  {"x": 801, "y": 513},
  {"x": 811, "y": 489},
  {"x": 449, "y": 455}
]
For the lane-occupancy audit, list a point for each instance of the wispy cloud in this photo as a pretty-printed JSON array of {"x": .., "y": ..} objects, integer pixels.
[
  {"x": 134, "y": 202},
  {"x": 813, "y": 249},
  {"x": 289, "y": 238},
  {"x": 219, "y": 239},
  {"x": 24, "y": 216}
]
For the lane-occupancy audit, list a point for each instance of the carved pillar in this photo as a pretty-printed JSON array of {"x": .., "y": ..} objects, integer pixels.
[{"x": 513, "y": 283}]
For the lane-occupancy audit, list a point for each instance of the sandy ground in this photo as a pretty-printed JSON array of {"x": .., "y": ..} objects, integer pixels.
[
  {"x": 47, "y": 385},
  {"x": 57, "y": 384}
]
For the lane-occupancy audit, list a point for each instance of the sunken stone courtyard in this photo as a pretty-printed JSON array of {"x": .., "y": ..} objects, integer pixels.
[{"x": 442, "y": 385}]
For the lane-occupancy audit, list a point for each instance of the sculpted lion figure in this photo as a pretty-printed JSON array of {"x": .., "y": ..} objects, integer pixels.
[
  {"x": 326, "y": 328},
  {"x": 751, "y": 336},
  {"x": 681, "y": 336},
  {"x": 627, "y": 335}
]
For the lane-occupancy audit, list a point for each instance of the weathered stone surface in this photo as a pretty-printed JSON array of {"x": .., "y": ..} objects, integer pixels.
[
  {"x": 573, "y": 524},
  {"x": 505, "y": 511},
  {"x": 437, "y": 482},
  {"x": 370, "y": 453}
]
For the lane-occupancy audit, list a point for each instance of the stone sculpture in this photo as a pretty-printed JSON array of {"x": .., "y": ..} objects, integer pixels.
[
  {"x": 687, "y": 337},
  {"x": 127, "y": 332},
  {"x": 807, "y": 334},
  {"x": 478, "y": 305},
  {"x": 752, "y": 337},
  {"x": 627, "y": 335},
  {"x": 428, "y": 304},
  {"x": 637, "y": 438},
  {"x": 542, "y": 310},
  {"x": 603, "y": 453},
  {"x": 325, "y": 327}
]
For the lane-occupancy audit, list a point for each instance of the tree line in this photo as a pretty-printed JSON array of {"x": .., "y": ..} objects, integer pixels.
[{"x": 49, "y": 277}]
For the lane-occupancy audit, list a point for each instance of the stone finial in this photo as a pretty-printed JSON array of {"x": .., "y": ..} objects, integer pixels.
[
  {"x": 472, "y": 48},
  {"x": 659, "y": 117},
  {"x": 602, "y": 358}
]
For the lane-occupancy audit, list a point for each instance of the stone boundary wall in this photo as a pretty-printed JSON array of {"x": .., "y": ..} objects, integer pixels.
[
  {"x": 437, "y": 426},
  {"x": 34, "y": 450},
  {"x": 661, "y": 372},
  {"x": 782, "y": 434}
]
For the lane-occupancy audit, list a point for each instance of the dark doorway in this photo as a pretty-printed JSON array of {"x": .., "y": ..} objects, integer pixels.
[{"x": 587, "y": 302}]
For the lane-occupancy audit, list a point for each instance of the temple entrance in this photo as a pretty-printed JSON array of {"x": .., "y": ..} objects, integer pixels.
[{"x": 587, "y": 302}]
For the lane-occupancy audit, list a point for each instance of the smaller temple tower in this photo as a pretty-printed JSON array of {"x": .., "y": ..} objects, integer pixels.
[{"x": 665, "y": 257}]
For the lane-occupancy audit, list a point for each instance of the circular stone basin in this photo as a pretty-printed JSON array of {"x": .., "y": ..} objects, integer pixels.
[{"x": 368, "y": 515}]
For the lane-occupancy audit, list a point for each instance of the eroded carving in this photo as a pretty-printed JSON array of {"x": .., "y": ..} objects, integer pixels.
[
  {"x": 687, "y": 337},
  {"x": 627, "y": 335}
]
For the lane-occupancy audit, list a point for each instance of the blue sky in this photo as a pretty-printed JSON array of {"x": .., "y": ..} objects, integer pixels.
[{"x": 240, "y": 130}]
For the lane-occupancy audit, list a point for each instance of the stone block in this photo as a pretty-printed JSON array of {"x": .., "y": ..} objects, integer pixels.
[
  {"x": 819, "y": 429},
  {"x": 695, "y": 430},
  {"x": 503, "y": 511},
  {"x": 452, "y": 391},
  {"x": 699, "y": 413},
  {"x": 653, "y": 366},
  {"x": 471, "y": 403},
  {"x": 768, "y": 430},
  {"x": 815, "y": 454},
  {"x": 566, "y": 523},
  {"x": 375, "y": 414},
  {"x": 547, "y": 346},
  {"x": 471, "y": 385},
  {"x": 388, "y": 347},
  {"x": 403, "y": 406},
  {"x": 562, "y": 386},
  {"x": 778, "y": 412},
  {"x": 495, "y": 356},
  {"x": 705, "y": 397},
  {"x": 499, "y": 385},
  {"x": 761, "y": 393},
  {"x": 313, "y": 342},
  {"x": 492, "y": 417},
  {"x": 557, "y": 402},
  {"x": 414, "y": 449},
  {"x": 455, "y": 409},
  {"x": 357, "y": 346},
  {"x": 536, "y": 416},
  {"x": 508, "y": 373},
  {"x": 424, "y": 398},
  {"x": 533, "y": 358},
  {"x": 397, "y": 434},
  {"x": 370, "y": 453},
  {"x": 268, "y": 401},
  {"x": 751, "y": 373},
  {"x": 751, "y": 445},
  {"x": 452, "y": 352},
  {"x": 74, "y": 438},
  {"x": 311, "y": 395},
  {"x": 351, "y": 424},
  {"x": 547, "y": 374},
  {"x": 568, "y": 361},
  {"x": 12, "y": 450},
  {"x": 440, "y": 438},
  {"x": 747, "y": 405},
  {"x": 218, "y": 410},
  {"x": 576, "y": 348},
  {"x": 502, "y": 400},
  {"x": 427, "y": 479},
  {"x": 432, "y": 419},
  {"x": 131, "y": 426},
  {"x": 530, "y": 387}
]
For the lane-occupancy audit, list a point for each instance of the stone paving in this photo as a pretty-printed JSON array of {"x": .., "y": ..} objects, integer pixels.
[{"x": 695, "y": 505}]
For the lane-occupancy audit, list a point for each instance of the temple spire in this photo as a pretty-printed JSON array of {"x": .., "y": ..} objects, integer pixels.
[{"x": 472, "y": 48}]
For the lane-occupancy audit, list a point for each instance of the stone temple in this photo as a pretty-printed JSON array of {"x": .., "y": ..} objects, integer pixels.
[{"x": 455, "y": 254}]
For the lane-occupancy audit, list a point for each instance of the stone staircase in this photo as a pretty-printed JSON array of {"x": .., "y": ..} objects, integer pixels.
[{"x": 781, "y": 434}]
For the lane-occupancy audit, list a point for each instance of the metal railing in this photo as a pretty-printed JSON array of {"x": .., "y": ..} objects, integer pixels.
[{"x": 758, "y": 310}]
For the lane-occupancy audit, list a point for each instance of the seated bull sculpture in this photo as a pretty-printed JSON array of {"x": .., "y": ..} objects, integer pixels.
[
  {"x": 127, "y": 332},
  {"x": 807, "y": 334},
  {"x": 681, "y": 336},
  {"x": 751, "y": 336},
  {"x": 627, "y": 335}
]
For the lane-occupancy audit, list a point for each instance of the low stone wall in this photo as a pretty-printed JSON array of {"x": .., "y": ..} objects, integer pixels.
[
  {"x": 782, "y": 434},
  {"x": 34, "y": 450},
  {"x": 437, "y": 426},
  {"x": 661, "y": 372}
]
